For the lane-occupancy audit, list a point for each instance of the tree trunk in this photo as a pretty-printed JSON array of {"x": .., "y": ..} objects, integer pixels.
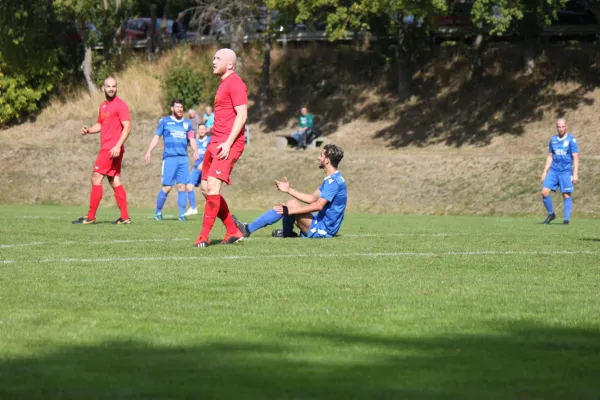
[
  {"x": 266, "y": 67},
  {"x": 86, "y": 65},
  {"x": 237, "y": 43},
  {"x": 403, "y": 70},
  {"x": 163, "y": 25},
  {"x": 529, "y": 51},
  {"x": 151, "y": 35},
  {"x": 479, "y": 46}
]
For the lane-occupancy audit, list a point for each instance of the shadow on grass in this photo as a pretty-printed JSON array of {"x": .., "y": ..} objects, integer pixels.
[
  {"x": 451, "y": 105},
  {"x": 519, "y": 361}
]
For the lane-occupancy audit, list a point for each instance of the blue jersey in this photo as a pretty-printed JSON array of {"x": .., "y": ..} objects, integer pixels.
[
  {"x": 562, "y": 150},
  {"x": 202, "y": 145},
  {"x": 175, "y": 134},
  {"x": 333, "y": 189}
]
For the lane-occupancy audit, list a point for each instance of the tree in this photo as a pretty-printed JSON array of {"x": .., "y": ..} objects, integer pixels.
[
  {"x": 410, "y": 22},
  {"x": 527, "y": 18},
  {"x": 227, "y": 19},
  {"x": 29, "y": 57},
  {"x": 100, "y": 23}
]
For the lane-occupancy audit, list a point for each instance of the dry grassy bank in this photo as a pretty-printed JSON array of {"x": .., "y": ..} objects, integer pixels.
[{"x": 457, "y": 147}]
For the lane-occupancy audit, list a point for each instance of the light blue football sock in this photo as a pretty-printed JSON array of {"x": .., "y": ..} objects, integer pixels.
[
  {"x": 181, "y": 202},
  {"x": 160, "y": 201},
  {"x": 548, "y": 204},
  {"x": 268, "y": 218},
  {"x": 192, "y": 198},
  {"x": 568, "y": 207}
]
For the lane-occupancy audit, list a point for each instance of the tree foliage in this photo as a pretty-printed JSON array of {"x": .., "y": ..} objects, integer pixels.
[{"x": 29, "y": 58}]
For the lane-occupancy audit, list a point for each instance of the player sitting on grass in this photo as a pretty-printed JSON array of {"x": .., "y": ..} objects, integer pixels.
[{"x": 329, "y": 201}]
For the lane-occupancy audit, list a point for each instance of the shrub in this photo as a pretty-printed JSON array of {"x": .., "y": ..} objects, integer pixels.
[
  {"x": 189, "y": 79},
  {"x": 22, "y": 92}
]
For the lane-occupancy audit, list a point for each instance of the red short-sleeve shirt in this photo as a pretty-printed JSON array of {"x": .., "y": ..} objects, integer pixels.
[
  {"x": 232, "y": 92},
  {"x": 110, "y": 116}
]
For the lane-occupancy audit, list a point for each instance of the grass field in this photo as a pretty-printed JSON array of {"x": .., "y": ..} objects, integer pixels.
[{"x": 397, "y": 307}]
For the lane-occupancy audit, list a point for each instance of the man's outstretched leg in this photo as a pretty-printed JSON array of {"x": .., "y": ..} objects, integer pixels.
[{"x": 271, "y": 216}]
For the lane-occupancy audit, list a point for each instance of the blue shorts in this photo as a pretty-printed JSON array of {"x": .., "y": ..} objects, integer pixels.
[
  {"x": 555, "y": 180},
  {"x": 316, "y": 230},
  {"x": 195, "y": 176},
  {"x": 175, "y": 169}
]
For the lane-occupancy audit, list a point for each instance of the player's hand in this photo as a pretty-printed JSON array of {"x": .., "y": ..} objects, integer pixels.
[
  {"x": 223, "y": 150},
  {"x": 543, "y": 177},
  {"x": 575, "y": 178},
  {"x": 283, "y": 186},
  {"x": 115, "y": 151},
  {"x": 84, "y": 131},
  {"x": 196, "y": 155},
  {"x": 147, "y": 157}
]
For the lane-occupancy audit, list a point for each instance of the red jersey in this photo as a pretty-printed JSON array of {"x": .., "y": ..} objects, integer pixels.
[
  {"x": 110, "y": 116},
  {"x": 232, "y": 92}
]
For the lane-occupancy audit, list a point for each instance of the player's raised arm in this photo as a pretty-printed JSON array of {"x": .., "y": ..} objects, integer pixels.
[
  {"x": 91, "y": 130},
  {"x": 284, "y": 186}
]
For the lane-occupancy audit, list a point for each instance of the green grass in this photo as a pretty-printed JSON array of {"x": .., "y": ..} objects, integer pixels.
[{"x": 397, "y": 307}]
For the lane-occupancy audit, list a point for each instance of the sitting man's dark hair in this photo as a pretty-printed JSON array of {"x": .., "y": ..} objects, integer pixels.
[{"x": 334, "y": 153}]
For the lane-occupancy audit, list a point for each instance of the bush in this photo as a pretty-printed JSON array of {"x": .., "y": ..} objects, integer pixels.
[
  {"x": 190, "y": 80},
  {"x": 21, "y": 93}
]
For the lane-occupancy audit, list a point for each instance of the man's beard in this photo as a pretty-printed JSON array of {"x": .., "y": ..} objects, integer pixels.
[
  {"x": 109, "y": 97},
  {"x": 321, "y": 166}
]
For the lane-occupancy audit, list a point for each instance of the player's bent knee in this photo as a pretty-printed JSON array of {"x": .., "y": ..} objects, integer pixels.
[
  {"x": 181, "y": 188},
  {"x": 166, "y": 189},
  {"x": 545, "y": 192},
  {"x": 213, "y": 186},
  {"x": 293, "y": 203},
  {"x": 566, "y": 195}
]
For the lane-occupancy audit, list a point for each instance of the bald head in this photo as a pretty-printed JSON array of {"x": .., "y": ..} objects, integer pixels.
[
  {"x": 224, "y": 62},
  {"x": 110, "y": 88},
  {"x": 561, "y": 127}
]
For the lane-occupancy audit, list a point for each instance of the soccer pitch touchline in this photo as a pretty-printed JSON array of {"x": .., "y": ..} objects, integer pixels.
[
  {"x": 390, "y": 254},
  {"x": 70, "y": 242}
]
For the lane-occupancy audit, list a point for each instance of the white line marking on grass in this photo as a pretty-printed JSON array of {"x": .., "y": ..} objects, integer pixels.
[
  {"x": 266, "y": 256},
  {"x": 70, "y": 242}
]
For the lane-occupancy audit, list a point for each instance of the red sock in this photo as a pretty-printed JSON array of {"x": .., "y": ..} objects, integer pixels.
[
  {"x": 121, "y": 197},
  {"x": 211, "y": 211},
  {"x": 95, "y": 197},
  {"x": 225, "y": 216}
]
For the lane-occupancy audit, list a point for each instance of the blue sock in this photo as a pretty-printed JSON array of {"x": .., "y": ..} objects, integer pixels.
[
  {"x": 568, "y": 207},
  {"x": 192, "y": 198},
  {"x": 160, "y": 201},
  {"x": 181, "y": 202},
  {"x": 288, "y": 226},
  {"x": 268, "y": 218},
  {"x": 548, "y": 204}
]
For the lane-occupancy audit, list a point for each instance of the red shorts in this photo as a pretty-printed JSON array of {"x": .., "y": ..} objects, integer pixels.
[
  {"x": 106, "y": 165},
  {"x": 220, "y": 169}
]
